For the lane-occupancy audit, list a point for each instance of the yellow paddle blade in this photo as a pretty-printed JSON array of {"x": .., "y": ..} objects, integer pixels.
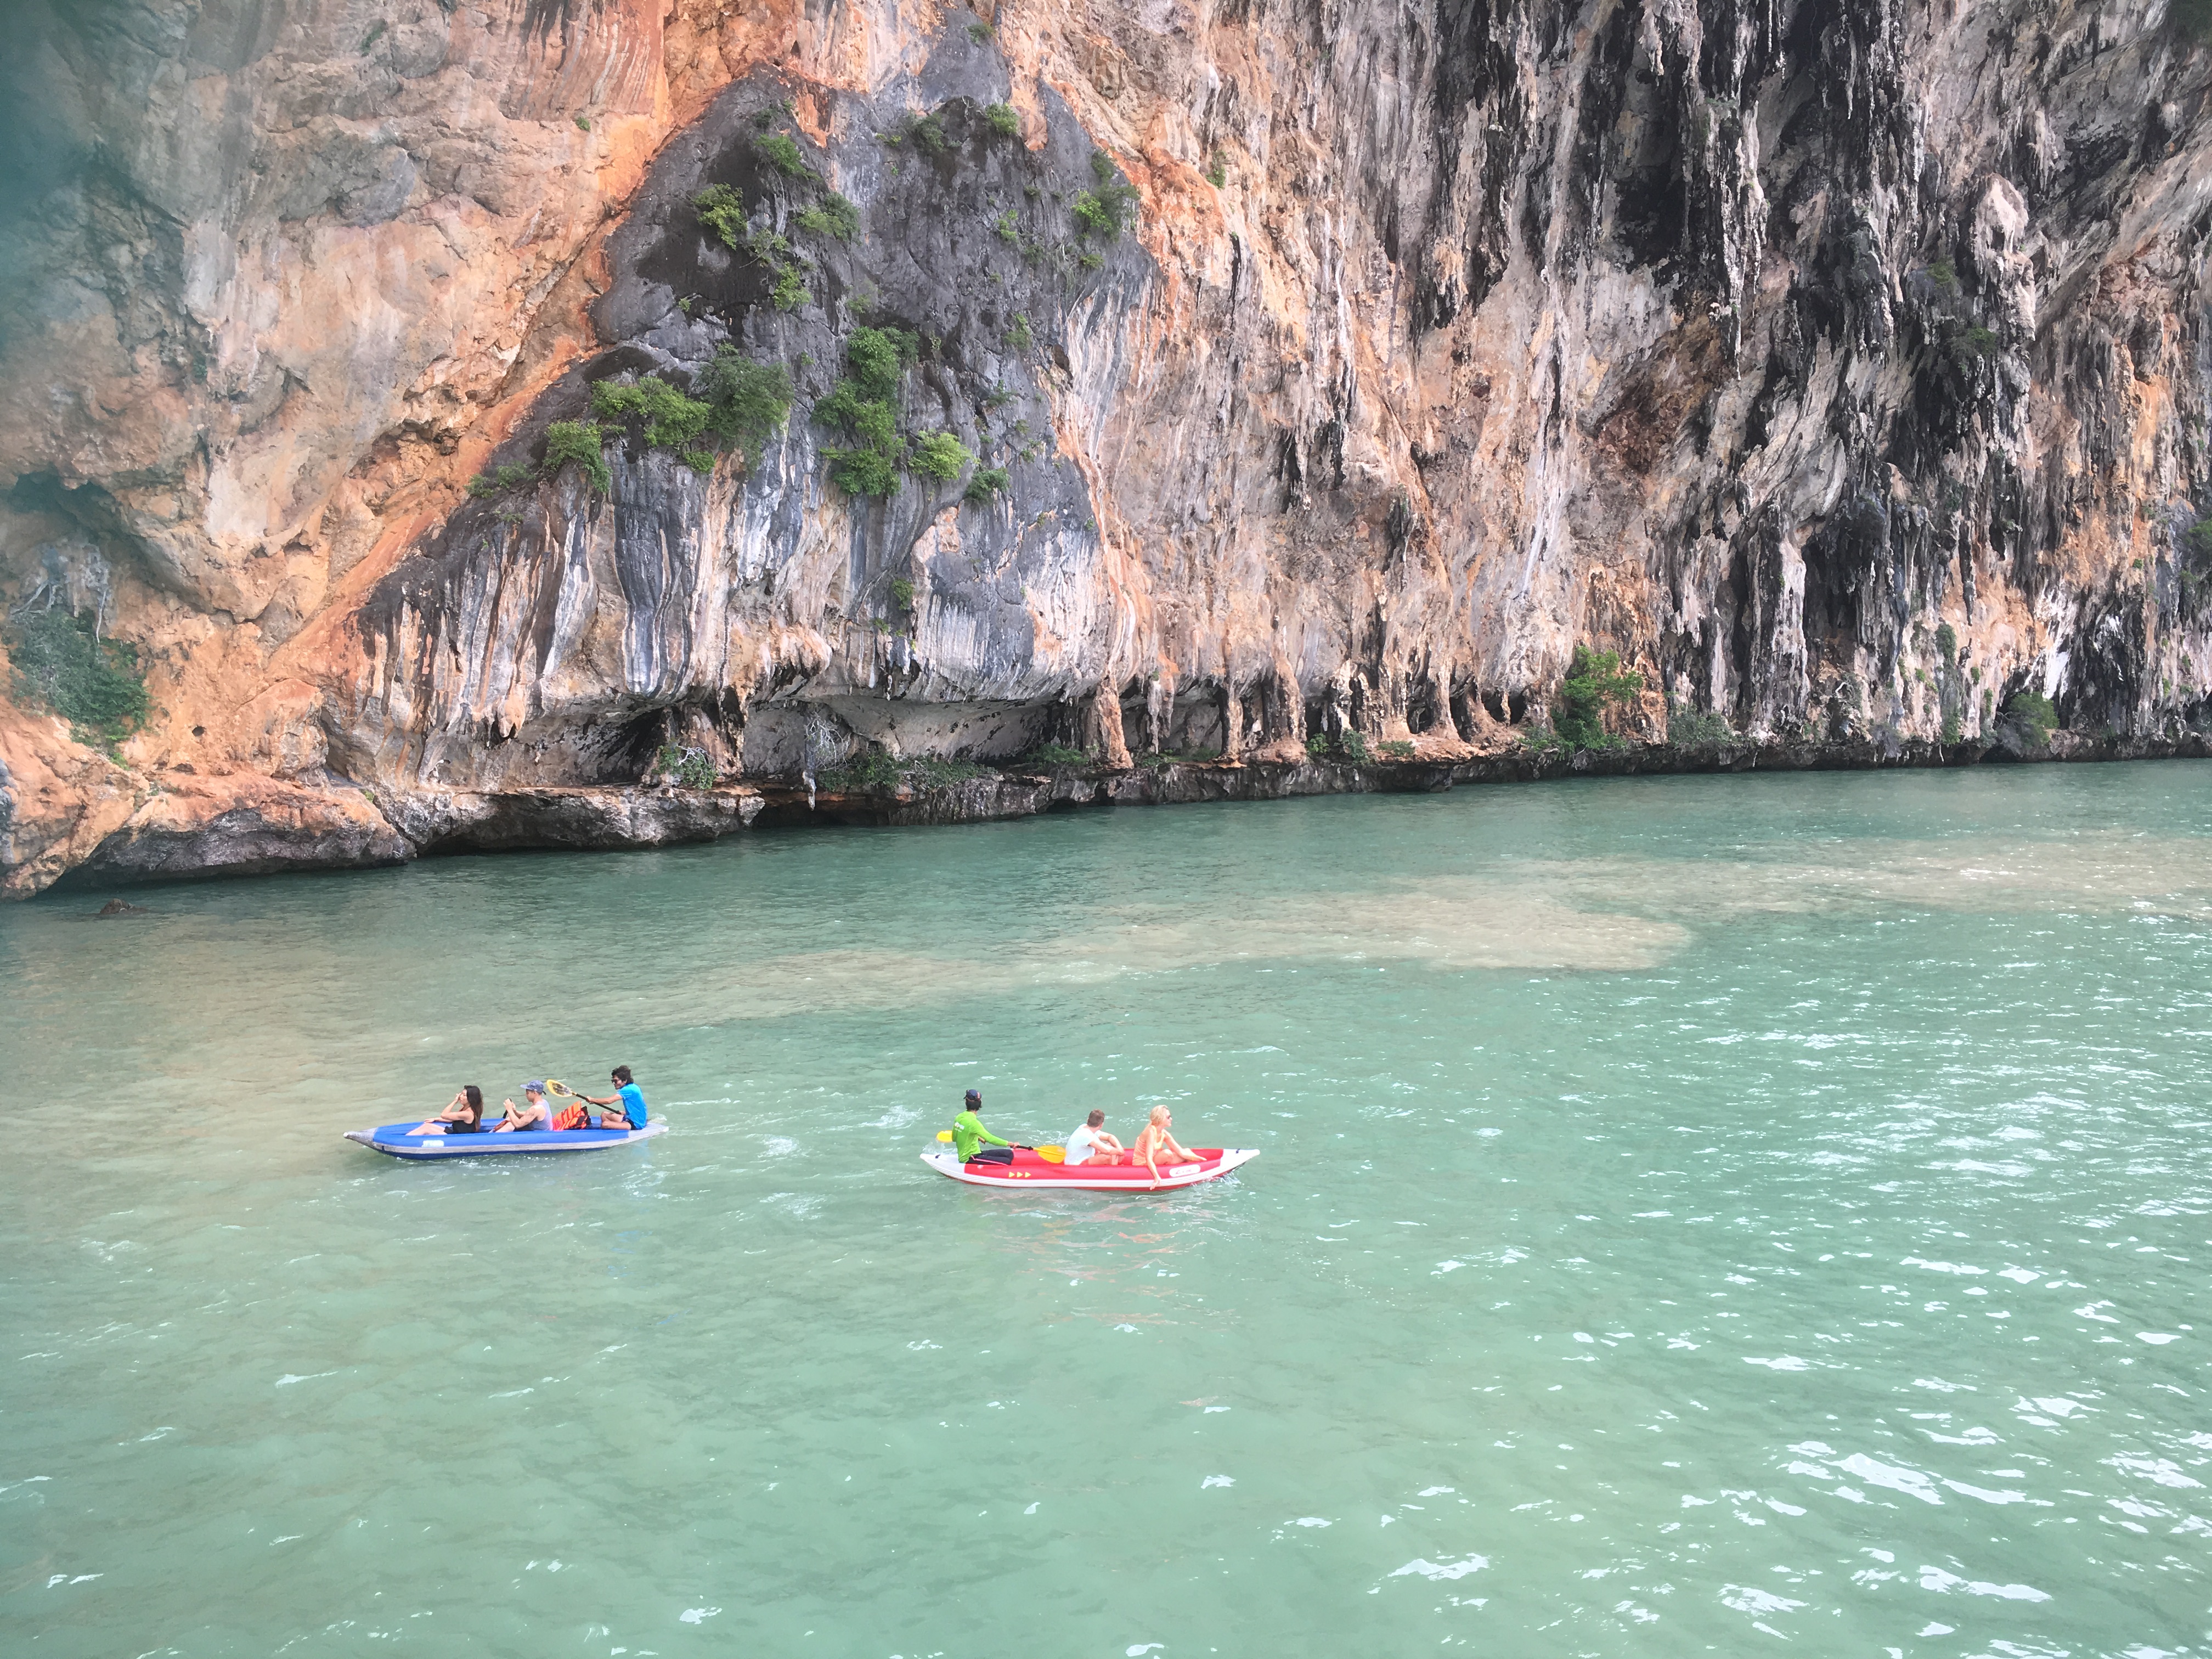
[
  {"x": 555, "y": 1087},
  {"x": 944, "y": 1134},
  {"x": 1053, "y": 1154}
]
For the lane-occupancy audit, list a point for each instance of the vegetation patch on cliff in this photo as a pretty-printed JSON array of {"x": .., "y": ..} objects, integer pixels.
[
  {"x": 670, "y": 419},
  {"x": 684, "y": 768},
  {"x": 578, "y": 441},
  {"x": 880, "y": 772},
  {"x": 2032, "y": 718},
  {"x": 864, "y": 407},
  {"x": 60, "y": 662},
  {"x": 1348, "y": 743},
  {"x": 834, "y": 217},
  {"x": 1105, "y": 211},
  {"x": 749, "y": 401},
  {"x": 1691, "y": 728},
  {"x": 1596, "y": 684}
]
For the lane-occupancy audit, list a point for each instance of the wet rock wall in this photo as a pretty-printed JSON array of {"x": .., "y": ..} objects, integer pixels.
[{"x": 1842, "y": 366}]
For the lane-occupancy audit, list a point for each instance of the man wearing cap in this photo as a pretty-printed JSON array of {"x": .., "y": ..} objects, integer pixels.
[
  {"x": 534, "y": 1113},
  {"x": 970, "y": 1137}
]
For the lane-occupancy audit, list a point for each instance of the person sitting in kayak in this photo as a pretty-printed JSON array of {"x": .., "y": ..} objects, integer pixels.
[
  {"x": 628, "y": 1100},
  {"x": 970, "y": 1136},
  {"x": 536, "y": 1112},
  {"x": 1091, "y": 1142},
  {"x": 464, "y": 1116},
  {"x": 1156, "y": 1142}
]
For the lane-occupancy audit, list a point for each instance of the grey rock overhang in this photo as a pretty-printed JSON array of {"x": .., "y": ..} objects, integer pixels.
[{"x": 970, "y": 248}]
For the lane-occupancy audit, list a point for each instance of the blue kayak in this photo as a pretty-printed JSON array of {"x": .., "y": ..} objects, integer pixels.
[{"x": 395, "y": 1140}]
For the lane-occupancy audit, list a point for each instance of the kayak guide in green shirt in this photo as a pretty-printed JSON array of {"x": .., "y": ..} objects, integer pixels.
[{"x": 970, "y": 1136}]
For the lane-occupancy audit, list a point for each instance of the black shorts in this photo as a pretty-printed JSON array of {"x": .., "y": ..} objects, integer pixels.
[{"x": 992, "y": 1155}]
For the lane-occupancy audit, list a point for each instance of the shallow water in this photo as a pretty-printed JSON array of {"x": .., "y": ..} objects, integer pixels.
[{"x": 1693, "y": 1212}]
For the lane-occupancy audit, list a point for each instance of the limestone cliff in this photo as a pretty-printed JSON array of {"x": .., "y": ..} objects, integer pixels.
[{"x": 1840, "y": 365}]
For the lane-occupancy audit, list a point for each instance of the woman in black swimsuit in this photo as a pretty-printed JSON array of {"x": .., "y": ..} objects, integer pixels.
[{"x": 464, "y": 1116}]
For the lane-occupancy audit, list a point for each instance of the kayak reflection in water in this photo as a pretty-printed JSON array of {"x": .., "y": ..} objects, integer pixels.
[
  {"x": 1156, "y": 1143},
  {"x": 970, "y": 1136},
  {"x": 464, "y": 1116},
  {"x": 1091, "y": 1142}
]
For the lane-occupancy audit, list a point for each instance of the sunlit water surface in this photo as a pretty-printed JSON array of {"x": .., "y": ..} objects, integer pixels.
[{"x": 1692, "y": 1213}]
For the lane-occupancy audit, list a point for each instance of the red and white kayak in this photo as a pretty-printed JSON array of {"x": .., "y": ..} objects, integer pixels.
[{"x": 1033, "y": 1173}]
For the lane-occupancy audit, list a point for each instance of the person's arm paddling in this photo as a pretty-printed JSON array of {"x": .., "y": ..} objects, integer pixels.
[{"x": 628, "y": 1100}]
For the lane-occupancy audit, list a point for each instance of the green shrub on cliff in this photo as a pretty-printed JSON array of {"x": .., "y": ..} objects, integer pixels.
[
  {"x": 928, "y": 772},
  {"x": 988, "y": 482},
  {"x": 790, "y": 291},
  {"x": 868, "y": 421},
  {"x": 941, "y": 455},
  {"x": 875, "y": 770},
  {"x": 1056, "y": 755},
  {"x": 878, "y": 772},
  {"x": 747, "y": 401},
  {"x": 510, "y": 477},
  {"x": 1106, "y": 210},
  {"x": 834, "y": 216},
  {"x": 1596, "y": 682},
  {"x": 2034, "y": 713},
  {"x": 2191, "y": 19},
  {"x": 1349, "y": 744},
  {"x": 1001, "y": 119},
  {"x": 764, "y": 246},
  {"x": 672, "y": 421},
  {"x": 1976, "y": 344},
  {"x": 863, "y": 472},
  {"x": 687, "y": 768},
  {"x": 876, "y": 357},
  {"x": 1687, "y": 728},
  {"x": 722, "y": 210},
  {"x": 862, "y": 406},
  {"x": 929, "y": 132},
  {"x": 578, "y": 441},
  {"x": 61, "y": 663},
  {"x": 783, "y": 154}
]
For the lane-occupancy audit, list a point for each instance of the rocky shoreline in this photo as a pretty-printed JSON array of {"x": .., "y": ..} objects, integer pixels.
[{"x": 348, "y": 828}]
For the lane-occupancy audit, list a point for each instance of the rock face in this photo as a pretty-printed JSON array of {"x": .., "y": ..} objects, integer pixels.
[{"x": 1841, "y": 366}]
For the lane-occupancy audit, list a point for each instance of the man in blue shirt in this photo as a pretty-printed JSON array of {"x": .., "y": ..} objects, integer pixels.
[{"x": 628, "y": 1100}]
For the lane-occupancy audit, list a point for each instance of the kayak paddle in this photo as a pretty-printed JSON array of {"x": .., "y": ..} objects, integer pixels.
[{"x": 1050, "y": 1154}]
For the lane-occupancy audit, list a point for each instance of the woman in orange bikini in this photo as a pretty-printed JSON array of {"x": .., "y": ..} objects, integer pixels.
[{"x": 1158, "y": 1142}]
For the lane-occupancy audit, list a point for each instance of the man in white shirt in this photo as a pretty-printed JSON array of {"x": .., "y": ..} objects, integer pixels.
[{"x": 1091, "y": 1142}]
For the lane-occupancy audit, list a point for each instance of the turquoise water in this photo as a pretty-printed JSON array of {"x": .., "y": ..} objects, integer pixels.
[{"x": 1692, "y": 1213}]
